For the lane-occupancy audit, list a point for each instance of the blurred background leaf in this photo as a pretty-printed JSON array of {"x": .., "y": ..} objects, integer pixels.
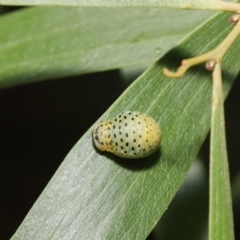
[
  {"x": 187, "y": 4},
  {"x": 45, "y": 43}
]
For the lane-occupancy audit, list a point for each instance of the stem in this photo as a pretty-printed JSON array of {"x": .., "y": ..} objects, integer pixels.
[
  {"x": 220, "y": 213},
  {"x": 229, "y": 6},
  {"x": 216, "y": 54}
]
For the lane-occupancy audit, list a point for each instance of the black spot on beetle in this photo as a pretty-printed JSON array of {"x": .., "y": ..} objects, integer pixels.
[{"x": 97, "y": 138}]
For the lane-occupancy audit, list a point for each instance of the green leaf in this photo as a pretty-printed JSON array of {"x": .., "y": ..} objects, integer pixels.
[
  {"x": 186, "y": 4},
  {"x": 44, "y": 43},
  {"x": 96, "y": 195},
  {"x": 220, "y": 215}
]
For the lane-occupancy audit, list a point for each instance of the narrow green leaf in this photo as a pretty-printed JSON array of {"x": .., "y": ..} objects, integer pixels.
[
  {"x": 220, "y": 214},
  {"x": 96, "y": 195},
  {"x": 186, "y": 4},
  {"x": 44, "y": 43}
]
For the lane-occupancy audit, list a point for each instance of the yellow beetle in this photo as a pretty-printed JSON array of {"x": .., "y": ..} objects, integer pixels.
[{"x": 128, "y": 135}]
